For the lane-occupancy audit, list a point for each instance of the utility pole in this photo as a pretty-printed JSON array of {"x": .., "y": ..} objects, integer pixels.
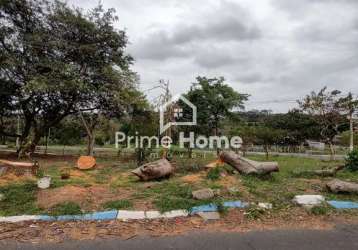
[{"x": 351, "y": 106}]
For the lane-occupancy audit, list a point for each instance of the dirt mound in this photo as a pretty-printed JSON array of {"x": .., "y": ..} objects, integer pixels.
[
  {"x": 50, "y": 197},
  {"x": 89, "y": 198}
]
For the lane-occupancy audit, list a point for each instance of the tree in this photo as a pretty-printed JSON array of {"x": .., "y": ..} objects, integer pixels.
[
  {"x": 54, "y": 61},
  {"x": 348, "y": 105},
  {"x": 298, "y": 126},
  {"x": 267, "y": 137},
  {"x": 325, "y": 107},
  {"x": 215, "y": 101}
]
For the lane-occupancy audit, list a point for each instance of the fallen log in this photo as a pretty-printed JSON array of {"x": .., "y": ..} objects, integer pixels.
[
  {"x": 338, "y": 186},
  {"x": 33, "y": 166},
  {"x": 246, "y": 166},
  {"x": 319, "y": 172},
  {"x": 154, "y": 170}
]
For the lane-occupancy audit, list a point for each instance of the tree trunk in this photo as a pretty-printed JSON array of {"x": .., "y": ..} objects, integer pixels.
[
  {"x": 266, "y": 148},
  {"x": 90, "y": 144},
  {"x": 332, "y": 151},
  {"x": 246, "y": 166},
  {"x": 338, "y": 186},
  {"x": 154, "y": 170}
]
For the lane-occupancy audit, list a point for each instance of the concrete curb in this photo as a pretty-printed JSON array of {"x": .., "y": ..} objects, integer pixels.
[
  {"x": 152, "y": 214},
  {"x": 125, "y": 214}
]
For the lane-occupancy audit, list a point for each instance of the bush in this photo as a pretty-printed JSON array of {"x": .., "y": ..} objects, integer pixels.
[{"x": 352, "y": 160}]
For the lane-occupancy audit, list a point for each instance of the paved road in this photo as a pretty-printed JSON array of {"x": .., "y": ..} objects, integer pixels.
[{"x": 343, "y": 237}]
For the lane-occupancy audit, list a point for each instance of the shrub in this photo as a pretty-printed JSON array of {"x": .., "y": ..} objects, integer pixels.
[{"x": 352, "y": 160}]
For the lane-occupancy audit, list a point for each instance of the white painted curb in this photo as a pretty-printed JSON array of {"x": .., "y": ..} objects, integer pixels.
[
  {"x": 139, "y": 215},
  {"x": 19, "y": 218}
]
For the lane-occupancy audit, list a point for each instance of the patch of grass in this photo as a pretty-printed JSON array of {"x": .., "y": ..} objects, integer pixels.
[
  {"x": 66, "y": 208},
  {"x": 214, "y": 173},
  {"x": 254, "y": 212},
  {"x": 19, "y": 199},
  {"x": 124, "y": 181},
  {"x": 118, "y": 204},
  {"x": 320, "y": 210},
  {"x": 171, "y": 195}
]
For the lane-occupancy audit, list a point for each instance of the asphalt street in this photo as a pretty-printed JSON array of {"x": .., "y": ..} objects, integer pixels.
[{"x": 343, "y": 237}]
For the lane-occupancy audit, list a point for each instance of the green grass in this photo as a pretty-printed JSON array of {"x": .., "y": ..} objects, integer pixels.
[
  {"x": 171, "y": 195},
  {"x": 19, "y": 199},
  {"x": 321, "y": 210},
  {"x": 283, "y": 185},
  {"x": 66, "y": 208},
  {"x": 118, "y": 204},
  {"x": 214, "y": 173}
]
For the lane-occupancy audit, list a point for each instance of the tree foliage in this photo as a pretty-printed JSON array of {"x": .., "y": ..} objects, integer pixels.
[{"x": 56, "y": 60}]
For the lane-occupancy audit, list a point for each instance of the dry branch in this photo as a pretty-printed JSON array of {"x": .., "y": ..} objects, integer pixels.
[{"x": 246, "y": 166}]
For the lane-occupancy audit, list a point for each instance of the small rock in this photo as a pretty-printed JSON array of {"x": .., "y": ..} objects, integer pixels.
[
  {"x": 2, "y": 197},
  {"x": 265, "y": 205},
  {"x": 308, "y": 200},
  {"x": 203, "y": 194},
  {"x": 209, "y": 215}
]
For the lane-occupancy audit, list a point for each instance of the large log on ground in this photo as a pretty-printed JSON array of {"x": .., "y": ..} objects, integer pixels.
[
  {"x": 18, "y": 165},
  {"x": 319, "y": 172},
  {"x": 154, "y": 170},
  {"x": 338, "y": 186},
  {"x": 246, "y": 166}
]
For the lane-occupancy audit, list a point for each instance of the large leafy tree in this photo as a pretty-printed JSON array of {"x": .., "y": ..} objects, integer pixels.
[
  {"x": 215, "y": 101},
  {"x": 55, "y": 61},
  {"x": 325, "y": 106}
]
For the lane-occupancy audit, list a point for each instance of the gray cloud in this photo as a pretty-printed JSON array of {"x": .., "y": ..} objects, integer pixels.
[
  {"x": 229, "y": 23},
  {"x": 271, "y": 49}
]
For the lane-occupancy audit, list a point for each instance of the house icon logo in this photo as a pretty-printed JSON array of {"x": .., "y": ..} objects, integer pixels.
[{"x": 176, "y": 113}]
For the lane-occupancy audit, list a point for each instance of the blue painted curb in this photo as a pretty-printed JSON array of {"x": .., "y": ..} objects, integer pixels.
[
  {"x": 343, "y": 204},
  {"x": 214, "y": 208},
  {"x": 105, "y": 215}
]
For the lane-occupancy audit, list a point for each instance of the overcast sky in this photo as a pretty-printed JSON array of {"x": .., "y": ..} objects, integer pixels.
[{"x": 275, "y": 50}]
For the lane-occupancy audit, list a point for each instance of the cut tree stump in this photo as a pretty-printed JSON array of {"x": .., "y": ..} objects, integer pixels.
[
  {"x": 154, "y": 170},
  {"x": 86, "y": 162},
  {"x": 246, "y": 166},
  {"x": 22, "y": 166},
  {"x": 338, "y": 186}
]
